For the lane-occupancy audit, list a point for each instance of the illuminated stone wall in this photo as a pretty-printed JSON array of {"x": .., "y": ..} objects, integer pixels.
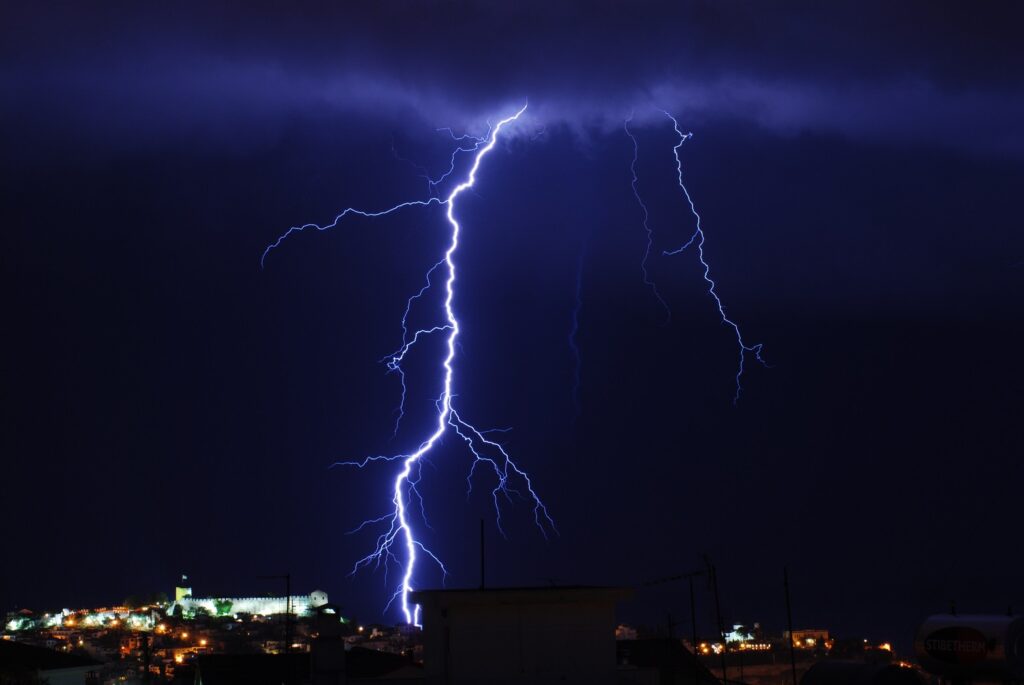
[{"x": 301, "y": 605}]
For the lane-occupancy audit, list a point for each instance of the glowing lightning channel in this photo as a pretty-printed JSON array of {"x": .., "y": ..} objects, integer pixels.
[
  {"x": 650, "y": 234},
  {"x": 399, "y": 532},
  {"x": 698, "y": 238}
]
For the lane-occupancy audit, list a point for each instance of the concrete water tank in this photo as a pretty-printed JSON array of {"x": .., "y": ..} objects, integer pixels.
[{"x": 979, "y": 647}]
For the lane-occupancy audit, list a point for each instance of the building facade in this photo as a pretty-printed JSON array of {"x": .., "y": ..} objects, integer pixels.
[{"x": 520, "y": 635}]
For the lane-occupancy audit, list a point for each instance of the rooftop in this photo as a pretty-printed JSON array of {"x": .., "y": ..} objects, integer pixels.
[{"x": 39, "y": 658}]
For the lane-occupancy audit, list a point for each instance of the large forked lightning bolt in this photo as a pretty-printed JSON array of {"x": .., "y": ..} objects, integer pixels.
[
  {"x": 399, "y": 532},
  {"x": 698, "y": 238}
]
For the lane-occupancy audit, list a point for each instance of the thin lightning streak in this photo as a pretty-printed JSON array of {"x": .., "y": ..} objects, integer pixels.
[
  {"x": 698, "y": 237},
  {"x": 573, "y": 342},
  {"x": 465, "y": 136},
  {"x": 422, "y": 171},
  {"x": 432, "y": 183},
  {"x": 350, "y": 210},
  {"x": 504, "y": 468},
  {"x": 474, "y": 145},
  {"x": 650, "y": 234},
  {"x": 399, "y": 531},
  {"x": 495, "y": 430},
  {"x": 394, "y": 360}
]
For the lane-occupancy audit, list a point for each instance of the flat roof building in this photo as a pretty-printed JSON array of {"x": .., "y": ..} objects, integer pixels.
[{"x": 508, "y": 636}]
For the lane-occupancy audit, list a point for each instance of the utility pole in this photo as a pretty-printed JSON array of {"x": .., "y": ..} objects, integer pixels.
[
  {"x": 693, "y": 614},
  {"x": 287, "y": 578},
  {"x": 713, "y": 578},
  {"x": 789, "y": 622},
  {"x": 693, "y": 630}
]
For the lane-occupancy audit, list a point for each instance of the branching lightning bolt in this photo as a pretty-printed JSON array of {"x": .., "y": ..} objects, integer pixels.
[
  {"x": 399, "y": 543},
  {"x": 698, "y": 238}
]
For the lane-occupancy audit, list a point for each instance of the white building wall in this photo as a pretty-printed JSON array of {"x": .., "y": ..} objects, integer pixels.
[{"x": 67, "y": 676}]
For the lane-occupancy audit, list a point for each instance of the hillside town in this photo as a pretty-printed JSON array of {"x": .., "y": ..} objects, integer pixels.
[{"x": 281, "y": 639}]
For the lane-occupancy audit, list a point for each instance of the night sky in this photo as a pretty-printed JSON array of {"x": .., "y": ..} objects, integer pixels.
[{"x": 170, "y": 407}]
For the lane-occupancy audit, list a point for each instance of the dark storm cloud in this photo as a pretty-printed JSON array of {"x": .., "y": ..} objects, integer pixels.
[{"x": 914, "y": 72}]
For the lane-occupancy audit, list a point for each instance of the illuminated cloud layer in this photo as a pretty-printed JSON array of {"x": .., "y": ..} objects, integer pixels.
[{"x": 221, "y": 74}]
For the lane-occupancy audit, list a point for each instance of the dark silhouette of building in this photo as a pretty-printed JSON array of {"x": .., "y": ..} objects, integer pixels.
[
  {"x": 509, "y": 636},
  {"x": 660, "y": 661},
  {"x": 27, "y": 664},
  {"x": 327, "y": 663},
  {"x": 832, "y": 672},
  {"x": 253, "y": 669},
  {"x": 360, "y": 665}
]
